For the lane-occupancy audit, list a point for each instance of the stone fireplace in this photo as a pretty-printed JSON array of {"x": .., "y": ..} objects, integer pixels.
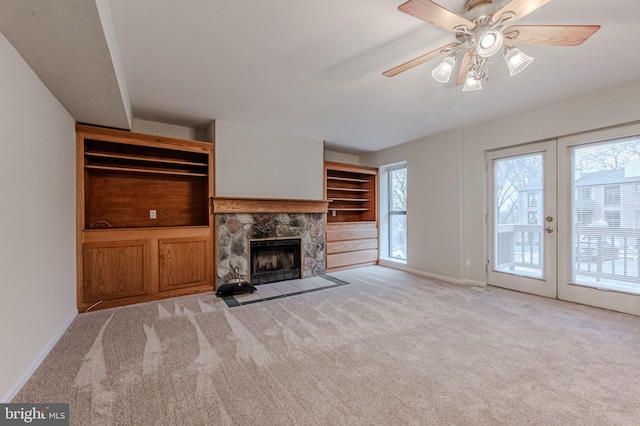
[{"x": 263, "y": 241}]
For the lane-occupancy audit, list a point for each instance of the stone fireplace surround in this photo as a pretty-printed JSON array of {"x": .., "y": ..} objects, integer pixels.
[{"x": 239, "y": 220}]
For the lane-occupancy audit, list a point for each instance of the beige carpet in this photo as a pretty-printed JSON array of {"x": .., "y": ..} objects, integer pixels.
[{"x": 388, "y": 349}]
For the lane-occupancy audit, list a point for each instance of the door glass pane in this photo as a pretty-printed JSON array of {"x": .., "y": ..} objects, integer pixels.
[
  {"x": 605, "y": 215},
  {"x": 519, "y": 215}
]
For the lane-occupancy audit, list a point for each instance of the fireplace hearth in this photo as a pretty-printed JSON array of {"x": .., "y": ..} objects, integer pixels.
[{"x": 274, "y": 259}]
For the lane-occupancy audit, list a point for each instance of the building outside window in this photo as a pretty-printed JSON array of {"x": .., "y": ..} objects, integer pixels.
[
  {"x": 532, "y": 199},
  {"x": 398, "y": 212}
]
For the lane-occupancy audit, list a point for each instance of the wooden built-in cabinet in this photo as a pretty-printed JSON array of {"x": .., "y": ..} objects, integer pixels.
[
  {"x": 145, "y": 229},
  {"x": 352, "y": 220}
]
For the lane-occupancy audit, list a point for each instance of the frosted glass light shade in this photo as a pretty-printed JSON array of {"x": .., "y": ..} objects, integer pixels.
[
  {"x": 471, "y": 83},
  {"x": 516, "y": 61},
  {"x": 490, "y": 43},
  {"x": 442, "y": 72}
]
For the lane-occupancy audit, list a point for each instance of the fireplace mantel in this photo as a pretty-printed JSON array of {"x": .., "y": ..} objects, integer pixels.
[{"x": 267, "y": 205}]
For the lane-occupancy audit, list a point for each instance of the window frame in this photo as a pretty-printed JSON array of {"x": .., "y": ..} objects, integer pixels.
[{"x": 389, "y": 170}]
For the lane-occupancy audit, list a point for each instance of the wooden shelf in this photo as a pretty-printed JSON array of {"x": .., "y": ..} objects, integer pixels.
[
  {"x": 348, "y": 189},
  {"x": 150, "y": 159},
  {"x": 146, "y": 170},
  {"x": 347, "y": 179},
  {"x": 153, "y": 195},
  {"x": 352, "y": 223},
  {"x": 267, "y": 205},
  {"x": 355, "y": 200},
  {"x": 351, "y": 192}
]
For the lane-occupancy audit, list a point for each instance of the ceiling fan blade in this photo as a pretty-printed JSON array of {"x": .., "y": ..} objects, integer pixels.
[
  {"x": 549, "y": 35},
  {"x": 520, "y": 8},
  {"x": 465, "y": 66},
  {"x": 419, "y": 60},
  {"x": 435, "y": 14}
]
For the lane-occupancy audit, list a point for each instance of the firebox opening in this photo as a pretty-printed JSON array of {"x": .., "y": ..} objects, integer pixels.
[{"x": 275, "y": 260}]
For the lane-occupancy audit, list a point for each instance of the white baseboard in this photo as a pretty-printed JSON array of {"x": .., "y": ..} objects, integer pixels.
[
  {"x": 476, "y": 283},
  {"x": 13, "y": 391},
  {"x": 403, "y": 267}
]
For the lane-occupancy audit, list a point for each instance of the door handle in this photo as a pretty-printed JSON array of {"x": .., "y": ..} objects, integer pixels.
[{"x": 549, "y": 229}]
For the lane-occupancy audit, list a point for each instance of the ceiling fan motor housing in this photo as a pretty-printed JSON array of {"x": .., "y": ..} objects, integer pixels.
[
  {"x": 472, "y": 4},
  {"x": 480, "y": 11}
]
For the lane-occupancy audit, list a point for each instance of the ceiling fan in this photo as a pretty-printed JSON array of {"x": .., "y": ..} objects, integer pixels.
[{"x": 481, "y": 33}]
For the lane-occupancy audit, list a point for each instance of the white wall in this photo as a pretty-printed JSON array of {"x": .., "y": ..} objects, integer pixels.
[
  {"x": 434, "y": 185},
  {"x": 447, "y": 178},
  {"x": 340, "y": 157},
  {"x": 37, "y": 230},
  {"x": 253, "y": 163},
  {"x": 163, "y": 129}
]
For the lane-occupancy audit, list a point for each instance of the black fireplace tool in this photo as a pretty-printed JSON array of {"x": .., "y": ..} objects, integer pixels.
[{"x": 234, "y": 286}]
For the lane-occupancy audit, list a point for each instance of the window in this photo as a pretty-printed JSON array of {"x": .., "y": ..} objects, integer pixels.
[
  {"x": 532, "y": 199},
  {"x": 584, "y": 193},
  {"x": 398, "y": 212},
  {"x": 613, "y": 219},
  {"x": 584, "y": 217},
  {"x": 612, "y": 195},
  {"x": 533, "y": 218}
]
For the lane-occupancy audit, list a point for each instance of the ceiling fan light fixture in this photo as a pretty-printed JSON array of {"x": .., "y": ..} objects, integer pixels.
[
  {"x": 472, "y": 83},
  {"x": 442, "y": 72},
  {"x": 516, "y": 60},
  {"x": 489, "y": 43}
]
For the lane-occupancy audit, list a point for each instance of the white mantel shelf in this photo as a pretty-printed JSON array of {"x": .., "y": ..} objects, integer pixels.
[{"x": 267, "y": 205}]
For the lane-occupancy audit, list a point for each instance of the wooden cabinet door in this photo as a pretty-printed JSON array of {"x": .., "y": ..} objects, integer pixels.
[
  {"x": 116, "y": 269},
  {"x": 184, "y": 262}
]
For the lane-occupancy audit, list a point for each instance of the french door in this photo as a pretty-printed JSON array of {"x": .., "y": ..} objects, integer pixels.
[
  {"x": 522, "y": 218},
  {"x": 564, "y": 218},
  {"x": 599, "y": 190}
]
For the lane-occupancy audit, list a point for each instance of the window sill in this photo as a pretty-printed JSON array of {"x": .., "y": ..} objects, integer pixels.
[{"x": 393, "y": 259}]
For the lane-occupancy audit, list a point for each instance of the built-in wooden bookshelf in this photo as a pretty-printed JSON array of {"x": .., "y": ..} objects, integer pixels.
[
  {"x": 352, "y": 220},
  {"x": 145, "y": 230},
  {"x": 351, "y": 192}
]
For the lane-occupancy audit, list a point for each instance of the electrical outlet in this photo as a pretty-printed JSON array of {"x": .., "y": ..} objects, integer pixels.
[
  {"x": 152, "y": 214},
  {"x": 333, "y": 212},
  {"x": 468, "y": 263}
]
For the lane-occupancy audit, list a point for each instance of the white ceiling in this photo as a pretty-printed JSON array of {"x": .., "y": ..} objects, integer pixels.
[{"x": 314, "y": 68}]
